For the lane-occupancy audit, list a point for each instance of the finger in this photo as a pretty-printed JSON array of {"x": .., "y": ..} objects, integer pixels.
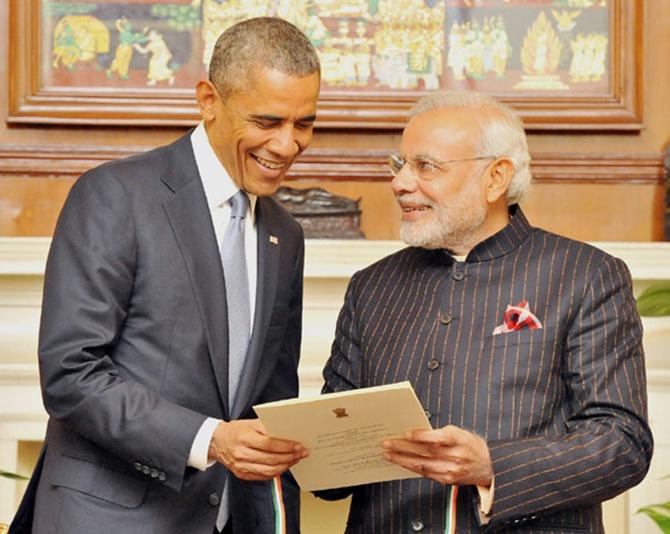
[
  {"x": 447, "y": 436},
  {"x": 252, "y": 433},
  {"x": 255, "y": 456},
  {"x": 440, "y": 471},
  {"x": 251, "y": 461},
  {"x": 251, "y": 471},
  {"x": 267, "y": 444},
  {"x": 432, "y": 468},
  {"x": 407, "y": 447},
  {"x": 413, "y": 463},
  {"x": 260, "y": 428}
]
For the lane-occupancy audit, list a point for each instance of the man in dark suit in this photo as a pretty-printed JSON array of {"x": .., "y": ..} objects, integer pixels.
[
  {"x": 149, "y": 368},
  {"x": 525, "y": 348}
]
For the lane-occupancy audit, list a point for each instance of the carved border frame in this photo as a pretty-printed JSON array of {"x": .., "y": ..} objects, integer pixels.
[{"x": 33, "y": 102}]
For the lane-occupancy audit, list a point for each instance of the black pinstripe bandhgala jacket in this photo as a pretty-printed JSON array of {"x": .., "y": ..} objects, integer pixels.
[{"x": 563, "y": 408}]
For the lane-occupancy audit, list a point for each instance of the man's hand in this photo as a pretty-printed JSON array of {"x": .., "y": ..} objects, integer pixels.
[
  {"x": 448, "y": 455},
  {"x": 244, "y": 447}
]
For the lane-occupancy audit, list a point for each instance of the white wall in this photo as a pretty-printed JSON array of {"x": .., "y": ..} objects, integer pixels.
[{"x": 328, "y": 266}]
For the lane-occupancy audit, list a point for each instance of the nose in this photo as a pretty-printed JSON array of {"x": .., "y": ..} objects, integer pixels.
[
  {"x": 403, "y": 181},
  {"x": 285, "y": 143}
]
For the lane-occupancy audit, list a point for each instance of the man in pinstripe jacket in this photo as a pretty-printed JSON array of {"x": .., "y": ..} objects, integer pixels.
[{"x": 524, "y": 347}]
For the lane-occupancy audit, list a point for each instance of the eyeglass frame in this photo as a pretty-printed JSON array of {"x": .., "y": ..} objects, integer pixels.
[{"x": 397, "y": 163}]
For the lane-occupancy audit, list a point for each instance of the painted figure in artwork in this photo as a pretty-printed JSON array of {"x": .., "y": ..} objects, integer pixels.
[
  {"x": 124, "y": 50},
  {"x": 362, "y": 54},
  {"x": 476, "y": 49},
  {"x": 600, "y": 42},
  {"x": 474, "y": 66},
  {"x": 66, "y": 49},
  {"x": 315, "y": 29},
  {"x": 589, "y": 54},
  {"x": 457, "y": 55},
  {"x": 295, "y": 11},
  {"x": 217, "y": 17},
  {"x": 540, "y": 56},
  {"x": 502, "y": 49},
  {"x": 408, "y": 43},
  {"x": 78, "y": 38},
  {"x": 158, "y": 69}
]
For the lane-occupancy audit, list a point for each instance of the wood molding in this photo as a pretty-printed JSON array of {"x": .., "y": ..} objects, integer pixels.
[{"x": 345, "y": 165}]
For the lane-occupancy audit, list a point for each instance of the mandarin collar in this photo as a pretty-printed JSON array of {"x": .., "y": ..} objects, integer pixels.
[{"x": 503, "y": 242}]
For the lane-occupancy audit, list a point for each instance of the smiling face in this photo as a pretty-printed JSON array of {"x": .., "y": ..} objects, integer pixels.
[
  {"x": 258, "y": 133},
  {"x": 450, "y": 210}
]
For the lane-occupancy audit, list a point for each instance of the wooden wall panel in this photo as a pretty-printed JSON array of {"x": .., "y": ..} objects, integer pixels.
[
  {"x": 30, "y": 206},
  {"x": 587, "y": 211},
  {"x": 611, "y": 181}
]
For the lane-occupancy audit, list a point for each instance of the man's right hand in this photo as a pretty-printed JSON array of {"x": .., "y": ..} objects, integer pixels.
[{"x": 244, "y": 447}]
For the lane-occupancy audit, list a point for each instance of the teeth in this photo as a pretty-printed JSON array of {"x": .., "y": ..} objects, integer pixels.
[
  {"x": 266, "y": 163},
  {"x": 421, "y": 208}
]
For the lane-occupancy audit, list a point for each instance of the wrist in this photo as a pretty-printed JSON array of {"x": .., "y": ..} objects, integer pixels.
[{"x": 214, "y": 451}]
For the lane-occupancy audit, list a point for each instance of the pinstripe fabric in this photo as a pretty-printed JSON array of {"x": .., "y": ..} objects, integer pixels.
[{"x": 563, "y": 408}]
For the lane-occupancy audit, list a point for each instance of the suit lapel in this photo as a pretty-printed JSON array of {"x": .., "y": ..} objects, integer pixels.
[
  {"x": 266, "y": 288},
  {"x": 190, "y": 220}
]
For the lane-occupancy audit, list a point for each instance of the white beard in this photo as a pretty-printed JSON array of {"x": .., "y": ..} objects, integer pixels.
[{"x": 453, "y": 224}]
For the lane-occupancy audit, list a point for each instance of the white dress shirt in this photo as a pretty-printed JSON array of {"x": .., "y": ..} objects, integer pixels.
[{"x": 219, "y": 189}]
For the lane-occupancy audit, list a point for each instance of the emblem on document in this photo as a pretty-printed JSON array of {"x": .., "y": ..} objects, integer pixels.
[{"x": 340, "y": 412}]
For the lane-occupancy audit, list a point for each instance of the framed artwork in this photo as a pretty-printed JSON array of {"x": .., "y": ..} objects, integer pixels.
[{"x": 563, "y": 64}]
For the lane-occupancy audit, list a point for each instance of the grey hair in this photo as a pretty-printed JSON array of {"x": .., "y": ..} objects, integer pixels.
[
  {"x": 502, "y": 132},
  {"x": 260, "y": 42}
]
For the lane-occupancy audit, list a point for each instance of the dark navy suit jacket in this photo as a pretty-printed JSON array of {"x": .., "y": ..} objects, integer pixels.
[{"x": 133, "y": 354}]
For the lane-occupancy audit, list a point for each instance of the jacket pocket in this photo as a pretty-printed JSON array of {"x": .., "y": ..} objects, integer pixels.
[
  {"x": 525, "y": 336},
  {"x": 99, "y": 481}
]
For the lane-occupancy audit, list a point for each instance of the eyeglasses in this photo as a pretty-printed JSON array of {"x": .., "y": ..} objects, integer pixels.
[{"x": 426, "y": 168}]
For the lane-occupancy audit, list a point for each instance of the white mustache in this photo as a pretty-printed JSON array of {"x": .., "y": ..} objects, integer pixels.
[{"x": 409, "y": 199}]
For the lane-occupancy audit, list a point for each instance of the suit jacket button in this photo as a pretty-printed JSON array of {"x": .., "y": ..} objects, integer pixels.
[
  {"x": 146, "y": 469},
  {"x": 213, "y": 499},
  {"x": 446, "y": 318},
  {"x": 162, "y": 476},
  {"x": 137, "y": 466},
  {"x": 154, "y": 473},
  {"x": 428, "y": 414},
  {"x": 458, "y": 275},
  {"x": 417, "y": 526},
  {"x": 433, "y": 364}
]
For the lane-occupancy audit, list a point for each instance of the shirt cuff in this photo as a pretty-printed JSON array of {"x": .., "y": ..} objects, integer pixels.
[
  {"x": 199, "y": 449},
  {"x": 485, "y": 502}
]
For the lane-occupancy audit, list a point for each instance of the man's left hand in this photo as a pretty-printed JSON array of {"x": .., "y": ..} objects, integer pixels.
[{"x": 449, "y": 455}]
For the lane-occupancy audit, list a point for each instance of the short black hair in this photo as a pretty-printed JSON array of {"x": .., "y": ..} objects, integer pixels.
[{"x": 260, "y": 42}]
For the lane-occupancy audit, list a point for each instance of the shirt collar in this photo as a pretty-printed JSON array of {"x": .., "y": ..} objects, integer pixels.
[{"x": 218, "y": 185}]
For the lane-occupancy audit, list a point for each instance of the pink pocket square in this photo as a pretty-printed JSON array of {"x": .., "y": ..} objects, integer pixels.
[{"x": 517, "y": 317}]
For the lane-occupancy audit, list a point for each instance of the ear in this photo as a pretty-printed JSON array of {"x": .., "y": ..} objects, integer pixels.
[
  {"x": 498, "y": 179},
  {"x": 208, "y": 98}
]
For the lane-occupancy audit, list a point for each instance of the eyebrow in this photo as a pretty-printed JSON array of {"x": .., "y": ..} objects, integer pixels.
[
  {"x": 276, "y": 118},
  {"x": 424, "y": 155}
]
